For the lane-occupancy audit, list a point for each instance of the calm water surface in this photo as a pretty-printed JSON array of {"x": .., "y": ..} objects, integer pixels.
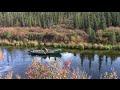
[{"x": 94, "y": 63}]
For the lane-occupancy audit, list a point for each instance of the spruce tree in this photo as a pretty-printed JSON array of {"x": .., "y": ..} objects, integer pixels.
[{"x": 102, "y": 21}]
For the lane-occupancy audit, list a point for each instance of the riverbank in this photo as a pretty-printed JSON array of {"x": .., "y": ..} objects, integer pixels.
[
  {"x": 58, "y": 36},
  {"x": 80, "y": 46}
]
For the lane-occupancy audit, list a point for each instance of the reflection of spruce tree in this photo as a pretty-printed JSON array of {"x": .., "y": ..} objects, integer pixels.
[
  {"x": 10, "y": 54},
  {"x": 113, "y": 57},
  {"x": 100, "y": 62},
  {"x": 82, "y": 57},
  {"x": 90, "y": 63},
  {"x": 90, "y": 57},
  {"x": 106, "y": 60},
  {"x": 111, "y": 60},
  {"x": 55, "y": 58},
  {"x": 23, "y": 56},
  {"x": 8, "y": 57},
  {"x": 75, "y": 54}
]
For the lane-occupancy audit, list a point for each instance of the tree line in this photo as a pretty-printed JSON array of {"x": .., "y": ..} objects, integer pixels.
[{"x": 81, "y": 20}]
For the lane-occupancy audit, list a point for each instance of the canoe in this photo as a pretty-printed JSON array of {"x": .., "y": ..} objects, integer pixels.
[
  {"x": 45, "y": 56},
  {"x": 42, "y": 52}
]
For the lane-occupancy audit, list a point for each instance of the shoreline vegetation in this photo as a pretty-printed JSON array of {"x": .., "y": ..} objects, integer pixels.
[
  {"x": 56, "y": 36},
  {"x": 80, "y": 46}
]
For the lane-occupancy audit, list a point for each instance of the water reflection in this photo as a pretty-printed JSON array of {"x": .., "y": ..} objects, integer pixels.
[
  {"x": 83, "y": 58},
  {"x": 18, "y": 60}
]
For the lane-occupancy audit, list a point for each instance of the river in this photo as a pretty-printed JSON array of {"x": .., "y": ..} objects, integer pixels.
[{"x": 94, "y": 63}]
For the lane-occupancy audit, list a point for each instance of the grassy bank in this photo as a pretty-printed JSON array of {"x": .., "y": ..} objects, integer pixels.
[{"x": 80, "y": 46}]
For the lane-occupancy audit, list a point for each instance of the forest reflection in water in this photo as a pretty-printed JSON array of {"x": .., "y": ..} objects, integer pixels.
[{"x": 94, "y": 63}]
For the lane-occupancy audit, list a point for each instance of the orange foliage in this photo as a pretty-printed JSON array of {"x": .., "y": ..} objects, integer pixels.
[{"x": 1, "y": 56}]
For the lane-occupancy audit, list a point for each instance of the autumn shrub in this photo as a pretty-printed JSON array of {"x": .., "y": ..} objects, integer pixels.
[
  {"x": 59, "y": 45},
  {"x": 55, "y": 45},
  {"x": 41, "y": 71},
  {"x": 73, "y": 45},
  {"x": 63, "y": 45},
  {"x": 48, "y": 44},
  {"x": 81, "y": 46},
  {"x": 95, "y": 46},
  {"x": 111, "y": 75},
  {"x": 89, "y": 46}
]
